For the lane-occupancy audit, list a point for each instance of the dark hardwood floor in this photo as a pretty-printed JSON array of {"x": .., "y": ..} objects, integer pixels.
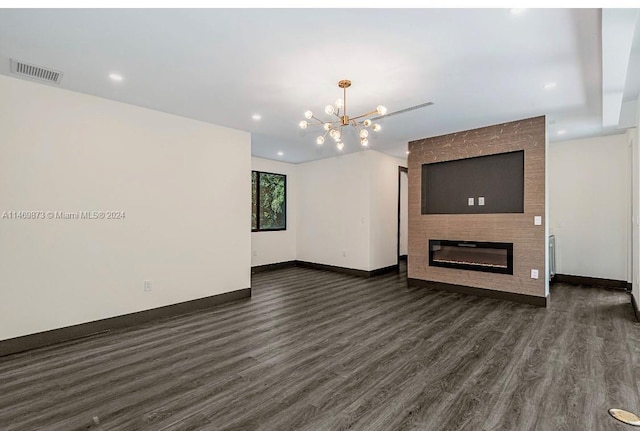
[{"x": 315, "y": 350}]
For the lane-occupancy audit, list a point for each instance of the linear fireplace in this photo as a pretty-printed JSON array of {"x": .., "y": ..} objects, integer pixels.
[{"x": 472, "y": 255}]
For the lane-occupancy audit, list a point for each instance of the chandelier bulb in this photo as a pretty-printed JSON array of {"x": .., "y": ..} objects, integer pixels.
[{"x": 334, "y": 126}]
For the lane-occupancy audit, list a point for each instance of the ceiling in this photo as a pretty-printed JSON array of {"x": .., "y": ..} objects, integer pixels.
[{"x": 478, "y": 67}]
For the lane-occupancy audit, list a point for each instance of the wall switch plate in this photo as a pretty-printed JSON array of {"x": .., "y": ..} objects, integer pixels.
[
  {"x": 471, "y": 202},
  {"x": 537, "y": 220},
  {"x": 481, "y": 200},
  {"x": 534, "y": 273},
  {"x": 147, "y": 285}
]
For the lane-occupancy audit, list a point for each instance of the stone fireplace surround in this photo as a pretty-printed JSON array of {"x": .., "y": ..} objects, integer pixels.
[{"x": 518, "y": 228}]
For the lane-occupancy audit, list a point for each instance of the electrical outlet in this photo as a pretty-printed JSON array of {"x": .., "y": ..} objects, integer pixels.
[
  {"x": 537, "y": 220},
  {"x": 481, "y": 200},
  {"x": 470, "y": 202},
  {"x": 147, "y": 285},
  {"x": 534, "y": 274}
]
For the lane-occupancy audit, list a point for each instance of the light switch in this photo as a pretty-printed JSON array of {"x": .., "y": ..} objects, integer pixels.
[
  {"x": 481, "y": 200},
  {"x": 534, "y": 273},
  {"x": 537, "y": 220},
  {"x": 471, "y": 202}
]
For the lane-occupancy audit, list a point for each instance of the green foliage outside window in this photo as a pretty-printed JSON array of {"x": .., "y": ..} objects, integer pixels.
[{"x": 268, "y": 201}]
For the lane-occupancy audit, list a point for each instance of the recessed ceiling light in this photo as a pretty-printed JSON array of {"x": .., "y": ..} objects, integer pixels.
[
  {"x": 256, "y": 117},
  {"x": 280, "y": 153},
  {"x": 116, "y": 77},
  {"x": 550, "y": 85},
  {"x": 562, "y": 132},
  {"x": 516, "y": 11}
]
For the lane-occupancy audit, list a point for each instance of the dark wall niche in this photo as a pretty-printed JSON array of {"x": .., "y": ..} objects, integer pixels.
[{"x": 498, "y": 178}]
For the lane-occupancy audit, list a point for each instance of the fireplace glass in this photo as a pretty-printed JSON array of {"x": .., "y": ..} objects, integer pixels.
[{"x": 472, "y": 255}]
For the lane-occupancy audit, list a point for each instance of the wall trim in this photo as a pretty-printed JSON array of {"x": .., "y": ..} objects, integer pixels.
[
  {"x": 539, "y": 301},
  {"x": 273, "y": 266},
  {"x": 591, "y": 281},
  {"x": 385, "y": 270},
  {"x": 324, "y": 267},
  {"x": 634, "y": 304},
  {"x": 348, "y": 271},
  {"x": 82, "y": 330}
]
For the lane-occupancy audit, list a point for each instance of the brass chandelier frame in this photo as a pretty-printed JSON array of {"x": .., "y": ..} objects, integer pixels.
[{"x": 334, "y": 128}]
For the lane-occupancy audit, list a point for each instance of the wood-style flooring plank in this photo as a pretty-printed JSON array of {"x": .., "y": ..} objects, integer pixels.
[{"x": 315, "y": 350}]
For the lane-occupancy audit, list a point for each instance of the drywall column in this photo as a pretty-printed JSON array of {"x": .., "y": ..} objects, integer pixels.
[
  {"x": 334, "y": 211},
  {"x": 348, "y": 211}
]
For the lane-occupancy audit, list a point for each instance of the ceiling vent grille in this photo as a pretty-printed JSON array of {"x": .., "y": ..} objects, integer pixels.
[
  {"x": 402, "y": 111},
  {"x": 35, "y": 72}
]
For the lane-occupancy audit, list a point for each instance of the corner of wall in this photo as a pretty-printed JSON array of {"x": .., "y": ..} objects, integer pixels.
[
  {"x": 546, "y": 209},
  {"x": 635, "y": 196}
]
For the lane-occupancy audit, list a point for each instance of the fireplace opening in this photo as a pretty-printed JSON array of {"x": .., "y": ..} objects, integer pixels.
[{"x": 472, "y": 255}]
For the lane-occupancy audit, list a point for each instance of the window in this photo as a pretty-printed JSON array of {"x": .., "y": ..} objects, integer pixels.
[{"x": 268, "y": 201}]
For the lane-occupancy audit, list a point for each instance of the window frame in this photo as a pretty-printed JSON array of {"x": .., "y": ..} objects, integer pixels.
[{"x": 258, "y": 228}]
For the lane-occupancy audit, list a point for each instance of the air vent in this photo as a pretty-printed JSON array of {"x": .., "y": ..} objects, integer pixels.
[
  {"x": 402, "y": 111},
  {"x": 35, "y": 72}
]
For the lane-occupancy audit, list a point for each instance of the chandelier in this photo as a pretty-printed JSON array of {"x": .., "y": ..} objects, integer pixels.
[{"x": 334, "y": 127}]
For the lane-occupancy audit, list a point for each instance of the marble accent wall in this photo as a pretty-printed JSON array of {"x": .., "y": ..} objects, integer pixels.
[{"x": 528, "y": 239}]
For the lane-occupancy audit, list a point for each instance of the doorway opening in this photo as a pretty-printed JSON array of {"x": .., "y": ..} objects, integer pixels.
[{"x": 403, "y": 215}]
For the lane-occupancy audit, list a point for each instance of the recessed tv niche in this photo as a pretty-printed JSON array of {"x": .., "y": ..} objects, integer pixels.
[{"x": 477, "y": 185}]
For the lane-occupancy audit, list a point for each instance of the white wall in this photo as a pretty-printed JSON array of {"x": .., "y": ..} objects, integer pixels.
[
  {"x": 383, "y": 171},
  {"x": 634, "y": 137},
  {"x": 547, "y": 269},
  {"x": 333, "y": 215},
  {"x": 589, "y": 206},
  {"x": 183, "y": 185},
  {"x": 348, "y": 211},
  {"x": 277, "y": 246},
  {"x": 404, "y": 214}
]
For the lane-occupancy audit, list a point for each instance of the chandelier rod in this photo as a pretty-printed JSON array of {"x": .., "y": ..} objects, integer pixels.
[{"x": 344, "y": 103}]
